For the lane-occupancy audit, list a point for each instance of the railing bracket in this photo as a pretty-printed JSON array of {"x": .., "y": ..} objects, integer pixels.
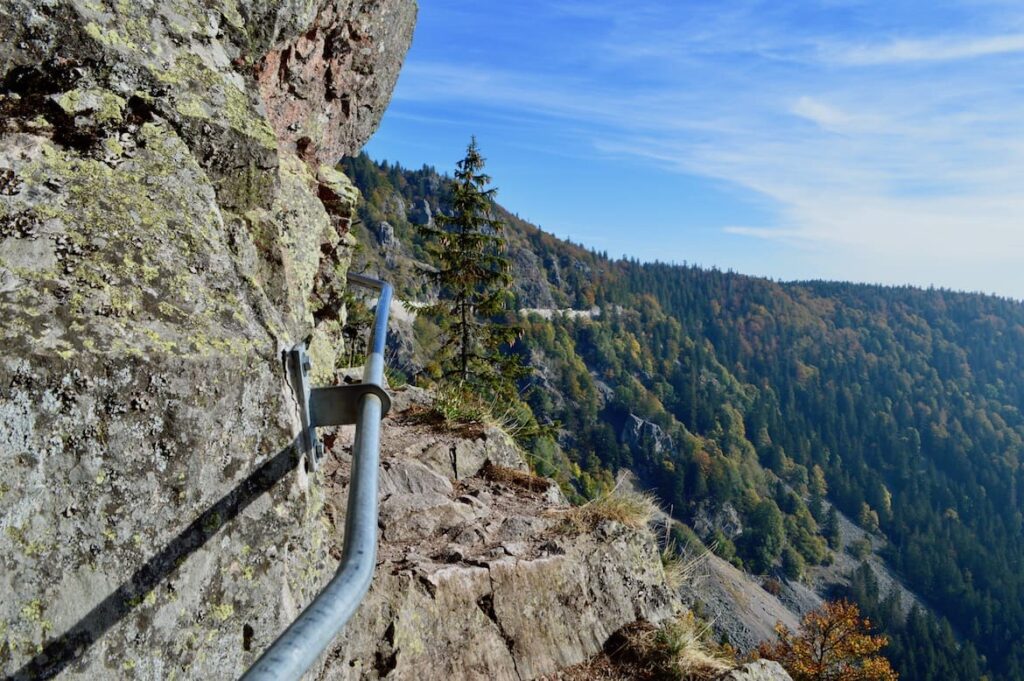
[{"x": 336, "y": 405}]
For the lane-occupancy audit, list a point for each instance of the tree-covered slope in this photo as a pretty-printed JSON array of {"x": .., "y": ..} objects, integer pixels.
[
  {"x": 733, "y": 395},
  {"x": 908, "y": 400}
]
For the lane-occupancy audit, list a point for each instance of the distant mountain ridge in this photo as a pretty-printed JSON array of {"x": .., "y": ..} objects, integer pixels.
[{"x": 901, "y": 406}]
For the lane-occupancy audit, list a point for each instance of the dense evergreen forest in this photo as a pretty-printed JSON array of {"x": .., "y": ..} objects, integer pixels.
[{"x": 900, "y": 406}]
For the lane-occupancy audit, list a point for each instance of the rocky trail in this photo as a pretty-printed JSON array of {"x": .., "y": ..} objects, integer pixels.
[{"x": 477, "y": 576}]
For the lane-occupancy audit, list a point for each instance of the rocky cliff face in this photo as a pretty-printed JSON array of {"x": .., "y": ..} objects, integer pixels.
[{"x": 170, "y": 220}]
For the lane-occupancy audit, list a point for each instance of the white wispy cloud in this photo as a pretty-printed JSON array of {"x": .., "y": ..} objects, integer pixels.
[
  {"x": 570, "y": 99},
  {"x": 946, "y": 48},
  {"x": 834, "y": 119},
  {"x": 872, "y": 172}
]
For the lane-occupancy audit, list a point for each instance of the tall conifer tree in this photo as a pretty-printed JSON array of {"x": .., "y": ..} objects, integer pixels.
[{"x": 473, "y": 279}]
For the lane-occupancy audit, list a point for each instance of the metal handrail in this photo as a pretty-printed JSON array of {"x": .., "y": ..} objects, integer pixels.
[{"x": 308, "y": 636}]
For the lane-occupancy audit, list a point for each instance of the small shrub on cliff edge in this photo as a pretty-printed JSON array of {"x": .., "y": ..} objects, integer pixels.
[
  {"x": 678, "y": 650},
  {"x": 833, "y": 644},
  {"x": 511, "y": 476}
]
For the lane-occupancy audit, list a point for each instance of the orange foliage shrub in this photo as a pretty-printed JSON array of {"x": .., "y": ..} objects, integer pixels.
[{"x": 833, "y": 644}]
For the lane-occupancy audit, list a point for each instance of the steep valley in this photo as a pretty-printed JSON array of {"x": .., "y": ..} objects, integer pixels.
[{"x": 753, "y": 407}]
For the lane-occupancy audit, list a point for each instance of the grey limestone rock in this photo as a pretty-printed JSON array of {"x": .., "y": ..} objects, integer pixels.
[
  {"x": 161, "y": 241},
  {"x": 421, "y": 213},
  {"x": 385, "y": 234},
  {"x": 463, "y": 458},
  {"x": 709, "y": 517},
  {"x": 640, "y": 432},
  {"x": 758, "y": 670},
  {"x": 529, "y": 282}
]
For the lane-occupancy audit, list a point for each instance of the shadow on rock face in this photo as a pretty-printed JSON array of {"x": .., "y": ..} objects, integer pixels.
[{"x": 70, "y": 646}]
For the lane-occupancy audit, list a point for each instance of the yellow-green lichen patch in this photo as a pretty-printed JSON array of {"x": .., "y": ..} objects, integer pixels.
[
  {"x": 325, "y": 348},
  {"x": 168, "y": 310},
  {"x": 156, "y": 341},
  {"x": 306, "y": 224},
  {"x": 223, "y": 612},
  {"x": 339, "y": 183},
  {"x": 191, "y": 106},
  {"x": 32, "y": 613},
  {"x": 113, "y": 147},
  {"x": 204, "y": 345},
  {"x": 70, "y": 101},
  {"x": 104, "y": 105},
  {"x": 149, "y": 272},
  {"x": 186, "y": 18},
  {"x": 110, "y": 37},
  {"x": 249, "y": 185},
  {"x": 244, "y": 118},
  {"x": 132, "y": 245},
  {"x": 229, "y": 10},
  {"x": 124, "y": 26},
  {"x": 407, "y": 634},
  {"x": 40, "y": 123},
  {"x": 203, "y": 88}
]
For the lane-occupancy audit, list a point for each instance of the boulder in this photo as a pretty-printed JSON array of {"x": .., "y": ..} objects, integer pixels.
[
  {"x": 385, "y": 234},
  {"x": 758, "y": 670}
]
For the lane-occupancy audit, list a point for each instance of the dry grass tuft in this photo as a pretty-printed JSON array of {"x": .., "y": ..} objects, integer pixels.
[
  {"x": 511, "y": 476},
  {"x": 437, "y": 421},
  {"x": 680, "y": 568},
  {"x": 458, "y": 409},
  {"x": 677, "y": 650},
  {"x": 675, "y": 567},
  {"x": 631, "y": 509}
]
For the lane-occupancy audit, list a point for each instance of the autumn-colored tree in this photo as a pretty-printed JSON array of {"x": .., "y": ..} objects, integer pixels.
[
  {"x": 833, "y": 644},
  {"x": 868, "y": 518}
]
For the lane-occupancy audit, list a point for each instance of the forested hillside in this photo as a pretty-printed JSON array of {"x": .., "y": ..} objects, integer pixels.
[{"x": 740, "y": 398}]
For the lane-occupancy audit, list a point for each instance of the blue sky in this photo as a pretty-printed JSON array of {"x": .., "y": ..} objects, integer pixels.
[{"x": 838, "y": 139}]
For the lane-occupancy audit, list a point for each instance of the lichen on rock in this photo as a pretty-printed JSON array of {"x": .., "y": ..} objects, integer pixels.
[{"x": 160, "y": 245}]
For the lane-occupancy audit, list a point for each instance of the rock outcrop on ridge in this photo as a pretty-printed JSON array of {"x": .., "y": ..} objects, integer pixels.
[
  {"x": 170, "y": 221},
  {"x": 477, "y": 577}
]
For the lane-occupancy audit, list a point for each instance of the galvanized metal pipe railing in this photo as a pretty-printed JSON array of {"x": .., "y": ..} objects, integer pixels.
[{"x": 309, "y": 635}]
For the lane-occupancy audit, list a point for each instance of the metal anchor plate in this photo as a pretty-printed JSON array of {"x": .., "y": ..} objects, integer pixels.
[{"x": 336, "y": 405}]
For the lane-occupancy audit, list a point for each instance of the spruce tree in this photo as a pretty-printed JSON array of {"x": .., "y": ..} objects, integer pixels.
[
  {"x": 474, "y": 279},
  {"x": 830, "y": 530}
]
